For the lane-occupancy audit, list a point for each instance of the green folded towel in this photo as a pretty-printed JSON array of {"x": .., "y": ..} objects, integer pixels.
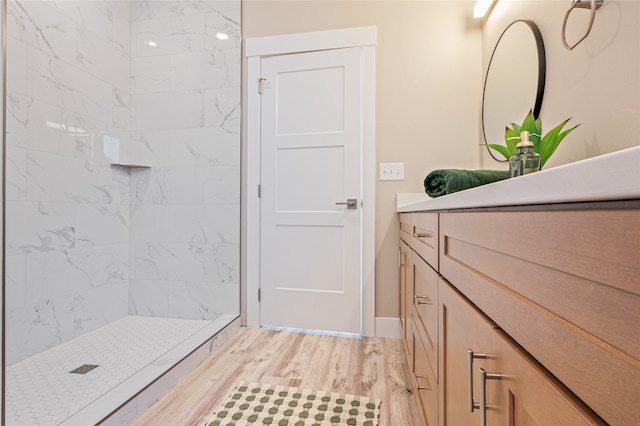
[{"x": 447, "y": 181}]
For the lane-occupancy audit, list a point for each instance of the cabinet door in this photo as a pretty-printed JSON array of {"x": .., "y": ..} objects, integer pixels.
[
  {"x": 462, "y": 328},
  {"x": 425, "y": 382},
  {"x": 518, "y": 391},
  {"x": 527, "y": 395},
  {"x": 406, "y": 294},
  {"x": 425, "y": 307}
]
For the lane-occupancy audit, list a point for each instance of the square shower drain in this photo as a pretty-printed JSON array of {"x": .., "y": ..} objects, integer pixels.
[{"x": 83, "y": 369}]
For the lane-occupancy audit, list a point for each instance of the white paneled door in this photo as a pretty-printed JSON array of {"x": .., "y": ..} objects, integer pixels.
[{"x": 311, "y": 144}]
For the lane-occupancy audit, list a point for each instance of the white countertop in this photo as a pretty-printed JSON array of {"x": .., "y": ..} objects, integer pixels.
[{"x": 614, "y": 176}]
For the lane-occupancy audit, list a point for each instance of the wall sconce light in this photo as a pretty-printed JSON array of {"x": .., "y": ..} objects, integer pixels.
[{"x": 481, "y": 7}]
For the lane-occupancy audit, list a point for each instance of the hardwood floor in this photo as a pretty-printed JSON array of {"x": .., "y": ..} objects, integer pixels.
[{"x": 369, "y": 367}]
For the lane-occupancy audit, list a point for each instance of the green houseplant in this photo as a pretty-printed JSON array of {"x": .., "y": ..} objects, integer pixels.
[{"x": 543, "y": 145}]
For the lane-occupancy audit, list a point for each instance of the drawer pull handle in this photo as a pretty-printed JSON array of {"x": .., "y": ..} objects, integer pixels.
[
  {"x": 418, "y": 376},
  {"x": 418, "y": 300},
  {"x": 484, "y": 376},
  {"x": 470, "y": 356},
  {"x": 423, "y": 234}
]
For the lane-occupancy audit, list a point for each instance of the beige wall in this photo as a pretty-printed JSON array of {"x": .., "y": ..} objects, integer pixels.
[
  {"x": 428, "y": 91},
  {"x": 431, "y": 59},
  {"x": 597, "y": 83}
]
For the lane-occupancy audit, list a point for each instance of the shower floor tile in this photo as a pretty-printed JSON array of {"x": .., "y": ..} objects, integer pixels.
[{"x": 40, "y": 390}]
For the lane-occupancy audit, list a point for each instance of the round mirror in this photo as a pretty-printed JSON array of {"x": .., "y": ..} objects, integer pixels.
[{"x": 514, "y": 84}]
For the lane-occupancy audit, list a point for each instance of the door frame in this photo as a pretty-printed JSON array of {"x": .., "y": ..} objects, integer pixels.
[{"x": 255, "y": 49}]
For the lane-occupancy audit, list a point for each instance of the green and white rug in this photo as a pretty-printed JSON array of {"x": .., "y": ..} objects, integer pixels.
[{"x": 261, "y": 404}]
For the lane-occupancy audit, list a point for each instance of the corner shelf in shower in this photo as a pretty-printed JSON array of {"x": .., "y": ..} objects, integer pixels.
[{"x": 130, "y": 167}]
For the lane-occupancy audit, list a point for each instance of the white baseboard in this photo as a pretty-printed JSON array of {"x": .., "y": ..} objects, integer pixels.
[{"x": 388, "y": 327}]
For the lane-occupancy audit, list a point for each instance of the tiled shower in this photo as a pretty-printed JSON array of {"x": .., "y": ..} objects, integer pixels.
[{"x": 122, "y": 175}]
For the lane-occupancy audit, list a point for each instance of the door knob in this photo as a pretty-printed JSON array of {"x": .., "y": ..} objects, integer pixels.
[{"x": 351, "y": 204}]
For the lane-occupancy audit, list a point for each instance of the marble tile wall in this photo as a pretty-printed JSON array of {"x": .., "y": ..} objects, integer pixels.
[
  {"x": 88, "y": 243},
  {"x": 185, "y": 110},
  {"x": 67, "y": 209}
]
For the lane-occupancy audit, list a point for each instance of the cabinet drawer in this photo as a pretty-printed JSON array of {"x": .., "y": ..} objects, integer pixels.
[
  {"x": 425, "y": 382},
  {"x": 406, "y": 228},
  {"x": 425, "y": 237},
  {"x": 425, "y": 307},
  {"x": 567, "y": 289}
]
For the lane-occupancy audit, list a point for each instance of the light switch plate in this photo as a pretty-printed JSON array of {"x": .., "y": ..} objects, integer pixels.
[{"x": 391, "y": 171}]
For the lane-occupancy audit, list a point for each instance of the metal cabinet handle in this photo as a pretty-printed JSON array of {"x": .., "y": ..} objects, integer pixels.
[
  {"x": 470, "y": 356},
  {"x": 422, "y": 234},
  {"x": 351, "y": 204},
  {"x": 418, "y": 376},
  {"x": 418, "y": 301},
  {"x": 484, "y": 376}
]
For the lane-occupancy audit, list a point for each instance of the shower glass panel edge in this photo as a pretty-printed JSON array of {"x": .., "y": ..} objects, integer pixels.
[{"x": 3, "y": 57}]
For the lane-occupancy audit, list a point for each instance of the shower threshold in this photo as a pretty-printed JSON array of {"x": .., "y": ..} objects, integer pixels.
[{"x": 137, "y": 358}]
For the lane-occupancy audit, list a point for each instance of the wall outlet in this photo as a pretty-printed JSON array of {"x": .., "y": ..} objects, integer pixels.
[{"x": 391, "y": 171}]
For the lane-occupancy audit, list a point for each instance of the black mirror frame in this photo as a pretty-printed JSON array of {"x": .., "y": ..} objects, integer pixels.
[{"x": 542, "y": 69}]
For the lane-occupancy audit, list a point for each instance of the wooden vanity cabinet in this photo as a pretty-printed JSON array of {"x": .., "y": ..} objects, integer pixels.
[
  {"x": 565, "y": 285},
  {"x": 550, "y": 295}
]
